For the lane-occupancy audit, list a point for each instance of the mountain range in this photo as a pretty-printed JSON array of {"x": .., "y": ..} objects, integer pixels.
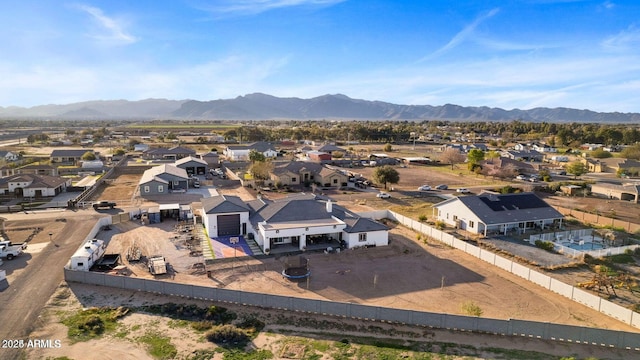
[{"x": 266, "y": 107}]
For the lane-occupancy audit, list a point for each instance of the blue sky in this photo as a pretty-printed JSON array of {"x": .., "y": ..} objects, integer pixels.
[{"x": 507, "y": 54}]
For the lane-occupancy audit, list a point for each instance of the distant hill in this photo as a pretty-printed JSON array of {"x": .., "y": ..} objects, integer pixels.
[{"x": 265, "y": 107}]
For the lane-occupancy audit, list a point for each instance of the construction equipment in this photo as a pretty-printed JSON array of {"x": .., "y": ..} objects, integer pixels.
[{"x": 157, "y": 265}]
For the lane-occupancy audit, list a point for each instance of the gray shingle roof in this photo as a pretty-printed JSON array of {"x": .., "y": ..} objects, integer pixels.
[
  {"x": 70, "y": 152},
  {"x": 187, "y": 159},
  {"x": 224, "y": 204},
  {"x": 357, "y": 225},
  {"x": 155, "y": 171},
  {"x": 508, "y": 208}
]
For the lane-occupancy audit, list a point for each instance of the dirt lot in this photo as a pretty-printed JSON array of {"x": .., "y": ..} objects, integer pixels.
[
  {"x": 406, "y": 274},
  {"x": 401, "y": 275},
  {"x": 120, "y": 189}
]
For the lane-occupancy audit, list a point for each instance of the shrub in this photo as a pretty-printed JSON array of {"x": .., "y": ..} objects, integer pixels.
[
  {"x": 472, "y": 309},
  {"x": 440, "y": 225},
  {"x": 422, "y": 218},
  {"x": 202, "y": 325},
  {"x": 545, "y": 245},
  {"x": 227, "y": 335}
]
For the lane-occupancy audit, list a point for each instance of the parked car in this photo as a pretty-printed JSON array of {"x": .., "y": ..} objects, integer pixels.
[
  {"x": 383, "y": 195},
  {"x": 521, "y": 177},
  {"x": 442, "y": 187},
  {"x": 196, "y": 184},
  {"x": 424, "y": 188},
  {"x": 463, "y": 190}
]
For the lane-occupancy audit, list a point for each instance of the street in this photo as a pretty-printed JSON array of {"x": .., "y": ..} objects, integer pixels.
[{"x": 22, "y": 302}]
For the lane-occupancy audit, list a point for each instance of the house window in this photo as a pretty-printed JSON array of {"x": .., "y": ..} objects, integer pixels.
[
  {"x": 471, "y": 224},
  {"x": 335, "y": 181},
  {"x": 277, "y": 240},
  {"x": 160, "y": 188},
  {"x": 455, "y": 217},
  {"x": 293, "y": 179},
  {"x": 80, "y": 264},
  {"x": 362, "y": 237},
  {"x": 146, "y": 188}
]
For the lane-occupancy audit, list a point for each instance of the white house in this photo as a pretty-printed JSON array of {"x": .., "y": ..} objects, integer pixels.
[
  {"x": 9, "y": 156},
  {"x": 241, "y": 152},
  {"x": 31, "y": 185},
  {"x": 294, "y": 223},
  {"x": 497, "y": 213}
]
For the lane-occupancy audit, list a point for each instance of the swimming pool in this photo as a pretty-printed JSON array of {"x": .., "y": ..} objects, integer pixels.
[{"x": 583, "y": 246}]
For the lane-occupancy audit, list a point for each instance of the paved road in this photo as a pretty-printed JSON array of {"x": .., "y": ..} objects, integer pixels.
[{"x": 22, "y": 303}]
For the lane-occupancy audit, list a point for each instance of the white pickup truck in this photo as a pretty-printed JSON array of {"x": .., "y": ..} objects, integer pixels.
[{"x": 9, "y": 250}]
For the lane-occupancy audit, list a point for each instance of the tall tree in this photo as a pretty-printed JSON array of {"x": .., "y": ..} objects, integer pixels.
[
  {"x": 452, "y": 156},
  {"x": 576, "y": 168},
  {"x": 386, "y": 174},
  {"x": 256, "y": 156}
]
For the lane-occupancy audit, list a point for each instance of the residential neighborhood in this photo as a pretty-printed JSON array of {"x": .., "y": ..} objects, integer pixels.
[{"x": 200, "y": 204}]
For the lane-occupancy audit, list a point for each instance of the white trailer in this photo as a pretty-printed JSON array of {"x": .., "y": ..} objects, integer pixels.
[{"x": 88, "y": 253}]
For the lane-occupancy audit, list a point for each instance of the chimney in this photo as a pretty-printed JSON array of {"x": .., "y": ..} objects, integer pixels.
[{"x": 329, "y": 206}]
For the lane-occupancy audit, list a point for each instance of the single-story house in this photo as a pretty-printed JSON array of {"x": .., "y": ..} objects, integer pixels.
[
  {"x": 627, "y": 192},
  {"x": 297, "y": 222},
  {"x": 69, "y": 156},
  {"x": 593, "y": 165},
  {"x": 8, "y": 155},
  {"x": 174, "y": 153},
  {"x": 241, "y": 152},
  {"x": 192, "y": 165},
  {"x": 163, "y": 179},
  {"x": 300, "y": 172},
  {"x": 526, "y": 155},
  {"x": 506, "y": 167},
  {"x": 497, "y": 213},
  {"x": 31, "y": 185}
]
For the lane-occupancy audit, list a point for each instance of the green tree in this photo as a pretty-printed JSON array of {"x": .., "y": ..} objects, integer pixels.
[
  {"x": 171, "y": 136},
  {"x": 600, "y": 154},
  {"x": 475, "y": 156},
  {"x": 119, "y": 152},
  {"x": 387, "y": 147},
  {"x": 88, "y": 156},
  {"x": 256, "y": 156},
  {"x": 386, "y": 174},
  {"x": 260, "y": 170},
  {"x": 337, "y": 154},
  {"x": 576, "y": 168}
]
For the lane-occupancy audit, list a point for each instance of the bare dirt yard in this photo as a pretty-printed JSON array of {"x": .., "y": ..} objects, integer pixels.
[
  {"x": 401, "y": 275},
  {"x": 407, "y": 274}
]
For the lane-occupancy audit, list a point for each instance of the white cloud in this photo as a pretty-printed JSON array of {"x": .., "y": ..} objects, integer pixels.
[
  {"x": 115, "y": 30},
  {"x": 251, "y": 7},
  {"x": 462, "y": 35},
  {"x": 628, "y": 39}
]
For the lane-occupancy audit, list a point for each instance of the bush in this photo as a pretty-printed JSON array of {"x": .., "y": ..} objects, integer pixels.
[
  {"x": 422, "y": 218},
  {"x": 227, "y": 335},
  {"x": 472, "y": 309},
  {"x": 545, "y": 245},
  {"x": 440, "y": 224}
]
